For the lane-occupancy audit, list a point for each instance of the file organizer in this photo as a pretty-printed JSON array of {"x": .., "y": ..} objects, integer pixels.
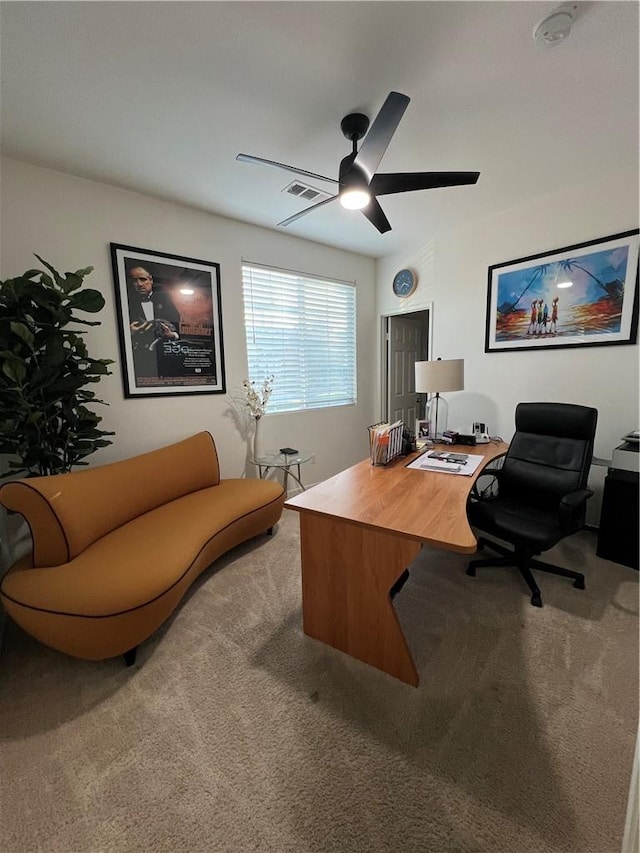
[{"x": 385, "y": 442}]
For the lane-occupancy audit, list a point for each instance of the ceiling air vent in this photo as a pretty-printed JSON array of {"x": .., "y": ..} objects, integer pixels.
[{"x": 305, "y": 191}]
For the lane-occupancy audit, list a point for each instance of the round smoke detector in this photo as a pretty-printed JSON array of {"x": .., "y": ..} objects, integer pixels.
[{"x": 555, "y": 28}]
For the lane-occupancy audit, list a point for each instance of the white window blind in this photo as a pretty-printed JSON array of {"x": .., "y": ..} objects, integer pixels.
[{"x": 301, "y": 329}]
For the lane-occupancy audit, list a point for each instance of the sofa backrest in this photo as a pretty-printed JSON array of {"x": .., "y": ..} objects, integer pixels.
[{"x": 68, "y": 512}]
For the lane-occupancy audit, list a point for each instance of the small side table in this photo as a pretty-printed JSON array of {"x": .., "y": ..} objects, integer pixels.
[{"x": 284, "y": 462}]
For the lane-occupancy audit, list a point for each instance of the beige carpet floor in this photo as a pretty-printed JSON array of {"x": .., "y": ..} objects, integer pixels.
[{"x": 235, "y": 732}]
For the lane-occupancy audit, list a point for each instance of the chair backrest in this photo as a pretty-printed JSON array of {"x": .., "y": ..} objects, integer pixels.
[{"x": 550, "y": 453}]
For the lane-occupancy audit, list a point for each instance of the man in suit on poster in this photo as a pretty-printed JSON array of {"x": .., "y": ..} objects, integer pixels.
[{"x": 153, "y": 320}]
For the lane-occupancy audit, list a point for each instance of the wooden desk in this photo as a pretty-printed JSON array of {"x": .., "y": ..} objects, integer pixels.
[{"x": 359, "y": 531}]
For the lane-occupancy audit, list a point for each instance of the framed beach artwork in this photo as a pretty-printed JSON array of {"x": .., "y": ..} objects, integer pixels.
[
  {"x": 170, "y": 323},
  {"x": 582, "y": 295}
]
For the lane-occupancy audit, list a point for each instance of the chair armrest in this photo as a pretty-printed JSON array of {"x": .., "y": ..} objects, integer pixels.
[
  {"x": 570, "y": 504},
  {"x": 495, "y": 467},
  {"x": 488, "y": 491},
  {"x": 494, "y": 471}
]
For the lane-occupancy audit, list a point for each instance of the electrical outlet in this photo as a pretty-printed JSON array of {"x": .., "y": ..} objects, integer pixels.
[{"x": 312, "y": 461}]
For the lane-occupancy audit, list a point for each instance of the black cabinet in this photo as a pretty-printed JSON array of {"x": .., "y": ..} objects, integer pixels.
[{"x": 618, "y": 538}]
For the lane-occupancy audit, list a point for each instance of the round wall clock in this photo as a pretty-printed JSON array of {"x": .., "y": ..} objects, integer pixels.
[{"x": 404, "y": 283}]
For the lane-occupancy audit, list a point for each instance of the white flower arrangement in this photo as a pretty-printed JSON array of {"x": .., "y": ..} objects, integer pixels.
[{"x": 257, "y": 399}]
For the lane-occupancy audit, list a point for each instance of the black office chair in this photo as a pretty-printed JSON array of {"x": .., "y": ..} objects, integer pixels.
[{"x": 542, "y": 490}]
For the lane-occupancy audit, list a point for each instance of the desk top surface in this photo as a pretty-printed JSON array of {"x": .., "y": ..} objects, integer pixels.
[{"x": 429, "y": 506}]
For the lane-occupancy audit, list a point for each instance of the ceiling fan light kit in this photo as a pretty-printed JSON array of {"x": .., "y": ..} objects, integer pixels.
[
  {"x": 358, "y": 183},
  {"x": 354, "y": 199},
  {"x": 556, "y": 27}
]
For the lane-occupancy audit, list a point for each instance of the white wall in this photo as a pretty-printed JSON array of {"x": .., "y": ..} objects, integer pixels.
[
  {"x": 452, "y": 270},
  {"x": 71, "y": 221}
]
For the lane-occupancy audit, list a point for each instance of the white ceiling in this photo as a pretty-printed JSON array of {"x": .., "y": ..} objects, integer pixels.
[{"x": 160, "y": 97}]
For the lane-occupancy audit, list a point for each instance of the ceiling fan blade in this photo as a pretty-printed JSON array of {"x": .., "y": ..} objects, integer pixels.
[
  {"x": 375, "y": 215},
  {"x": 307, "y": 210},
  {"x": 406, "y": 182},
  {"x": 379, "y": 136},
  {"x": 247, "y": 158}
]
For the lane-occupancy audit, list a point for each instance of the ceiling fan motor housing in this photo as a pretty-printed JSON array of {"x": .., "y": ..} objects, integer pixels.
[
  {"x": 354, "y": 126},
  {"x": 351, "y": 176}
]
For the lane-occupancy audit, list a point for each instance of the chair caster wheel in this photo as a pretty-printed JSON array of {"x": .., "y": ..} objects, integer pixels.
[
  {"x": 471, "y": 571},
  {"x": 536, "y": 600},
  {"x": 579, "y": 583}
]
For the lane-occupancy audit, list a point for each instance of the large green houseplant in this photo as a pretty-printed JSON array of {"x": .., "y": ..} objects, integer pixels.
[{"x": 45, "y": 425}]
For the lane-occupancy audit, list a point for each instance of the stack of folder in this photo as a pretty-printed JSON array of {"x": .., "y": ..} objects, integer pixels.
[{"x": 385, "y": 442}]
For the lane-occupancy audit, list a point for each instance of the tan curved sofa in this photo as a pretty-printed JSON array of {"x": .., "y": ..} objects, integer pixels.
[{"x": 116, "y": 547}]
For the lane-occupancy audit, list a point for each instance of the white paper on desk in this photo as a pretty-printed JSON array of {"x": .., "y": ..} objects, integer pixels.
[{"x": 426, "y": 463}]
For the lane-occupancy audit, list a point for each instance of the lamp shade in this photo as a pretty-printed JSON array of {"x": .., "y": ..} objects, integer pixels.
[{"x": 436, "y": 376}]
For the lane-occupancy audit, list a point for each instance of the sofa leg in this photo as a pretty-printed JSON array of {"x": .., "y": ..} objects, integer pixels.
[
  {"x": 270, "y": 531},
  {"x": 130, "y": 656}
]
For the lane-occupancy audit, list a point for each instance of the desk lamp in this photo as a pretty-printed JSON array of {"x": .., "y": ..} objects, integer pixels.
[{"x": 432, "y": 377}]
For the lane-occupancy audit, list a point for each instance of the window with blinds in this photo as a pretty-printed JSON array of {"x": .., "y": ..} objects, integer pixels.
[{"x": 302, "y": 329}]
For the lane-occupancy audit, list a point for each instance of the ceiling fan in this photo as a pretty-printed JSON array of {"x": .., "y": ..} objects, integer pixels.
[{"x": 358, "y": 182}]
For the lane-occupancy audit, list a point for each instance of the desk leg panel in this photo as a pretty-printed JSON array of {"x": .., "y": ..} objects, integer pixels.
[{"x": 347, "y": 572}]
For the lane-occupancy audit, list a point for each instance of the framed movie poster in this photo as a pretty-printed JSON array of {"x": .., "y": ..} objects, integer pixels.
[
  {"x": 170, "y": 323},
  {"x": 582, "y": 295}
]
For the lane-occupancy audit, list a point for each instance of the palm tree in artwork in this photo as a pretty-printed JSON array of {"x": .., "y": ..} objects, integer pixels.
[
  {"x": 613, "y": 289},
  {"x": 538, "y": 273}
]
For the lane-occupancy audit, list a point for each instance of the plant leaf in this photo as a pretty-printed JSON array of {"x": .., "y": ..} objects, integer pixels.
[
  {"x": 91, "y": 301},
  {"x": 58, "y": 278},
  {"x": 15, "y": 369},
  {"x": 84, "y": 272},
  {"x": 23, "y": 332}
]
